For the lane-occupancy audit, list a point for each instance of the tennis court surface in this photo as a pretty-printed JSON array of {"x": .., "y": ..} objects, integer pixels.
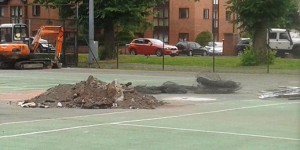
[{"x": 192, "y": 121}]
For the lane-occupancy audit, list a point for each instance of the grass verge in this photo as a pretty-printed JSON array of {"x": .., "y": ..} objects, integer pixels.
[{"x": 197, "y": 61}]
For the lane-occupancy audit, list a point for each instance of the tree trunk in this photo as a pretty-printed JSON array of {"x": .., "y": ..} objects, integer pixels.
[
  {"x": 109, "y": 41},
  {"x": 260, "y": 42}
]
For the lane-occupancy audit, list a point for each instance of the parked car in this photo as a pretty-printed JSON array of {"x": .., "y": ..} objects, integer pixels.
[
  {"x": 218, "y": 47},
  {"x": 44, "y": 46},
  {"x": 242, "y": 45},
  {"x": 149, "y": 46},
  {"x": 191, "y": 48}
]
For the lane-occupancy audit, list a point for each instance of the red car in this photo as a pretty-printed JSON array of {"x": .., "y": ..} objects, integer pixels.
[{"x": 149, "y": 46}]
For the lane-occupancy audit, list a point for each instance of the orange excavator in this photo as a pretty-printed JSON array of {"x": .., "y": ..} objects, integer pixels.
[{"x": 17, "y": 52}]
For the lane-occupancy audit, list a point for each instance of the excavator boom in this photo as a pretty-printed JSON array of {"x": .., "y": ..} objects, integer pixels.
[{"x": 57, "y": 31}]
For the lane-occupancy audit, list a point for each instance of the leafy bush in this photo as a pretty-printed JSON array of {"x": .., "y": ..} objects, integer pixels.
[
  {"x": 249, "y": 58},
  {"x": 101, "y": 53},
  {"x": 203, "y": 38},
  {"x": 271, "y": 57},
  {"x": 124, "y": 37}
]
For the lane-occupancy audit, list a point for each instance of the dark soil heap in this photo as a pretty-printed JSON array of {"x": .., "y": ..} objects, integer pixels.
[{"x": 95, "y": 94}]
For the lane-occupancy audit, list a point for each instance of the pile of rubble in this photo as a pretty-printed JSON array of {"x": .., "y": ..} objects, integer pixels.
[
  {"x": 93, "y": 94},
  {"x": 96, "y": 94}
]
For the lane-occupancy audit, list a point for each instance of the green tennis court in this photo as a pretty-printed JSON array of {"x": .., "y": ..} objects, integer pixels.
[{"x": 223, "y": 121}]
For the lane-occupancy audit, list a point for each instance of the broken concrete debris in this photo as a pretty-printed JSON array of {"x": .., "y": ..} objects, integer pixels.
[
  {"x": 289, "y": 92},
  {"x": 27, "y": 104}
]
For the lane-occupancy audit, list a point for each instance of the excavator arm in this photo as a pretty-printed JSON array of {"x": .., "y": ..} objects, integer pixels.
[{"x": 57, "y": 31}]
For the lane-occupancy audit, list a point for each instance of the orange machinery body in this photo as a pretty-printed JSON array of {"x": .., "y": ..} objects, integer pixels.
[
  {"x": 14, "y": 51},
  {"x": 15, "y": 46}
]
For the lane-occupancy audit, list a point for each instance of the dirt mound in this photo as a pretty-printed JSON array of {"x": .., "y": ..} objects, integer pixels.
[{"x": 93, "y": 94}]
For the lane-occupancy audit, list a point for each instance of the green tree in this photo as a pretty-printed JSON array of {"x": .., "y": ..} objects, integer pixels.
[
  {"x": 293, "y": 19},
  {"x": 112, "y": 15},
  {"x": 203, "y": 38},
  {"x": 66, "y": 10},
  {"x": 256, "y": 16}
]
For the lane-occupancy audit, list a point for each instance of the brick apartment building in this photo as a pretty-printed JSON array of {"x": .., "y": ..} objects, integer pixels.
[
  {"x": 23, "y": 11},
  {"x": 180, "y": 20},
  {"x": 35, "y": 16},
  {"x": 175, "y": 21}
]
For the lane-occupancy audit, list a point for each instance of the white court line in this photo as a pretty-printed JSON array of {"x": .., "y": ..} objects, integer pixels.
[
  {"x": 213, "y": 132},
  {"x": 139, "y": 120},
  {"x": 208, "y": 112},
  {"x": 72, "y": 117},
  {"x": 54, "y": 130}
]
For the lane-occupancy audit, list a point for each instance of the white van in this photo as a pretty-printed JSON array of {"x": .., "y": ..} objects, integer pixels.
[{"x": 281, "y": 41}]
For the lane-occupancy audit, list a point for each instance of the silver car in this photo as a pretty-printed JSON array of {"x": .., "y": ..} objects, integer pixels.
[{"x": 216, "y": 50}]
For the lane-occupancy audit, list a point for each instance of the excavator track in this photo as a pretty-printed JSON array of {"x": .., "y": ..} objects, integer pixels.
[
  {"x": 6, "y": 65},
  {"x": 33, "y": 64}
]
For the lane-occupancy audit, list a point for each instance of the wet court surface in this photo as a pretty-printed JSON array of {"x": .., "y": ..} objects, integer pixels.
[{"x": 188, "y": 121}]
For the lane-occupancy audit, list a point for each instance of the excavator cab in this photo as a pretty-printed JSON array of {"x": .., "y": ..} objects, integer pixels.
[
  {"x": 20, "y": 33},
  {"x": 6, "y": 34},
  {"x": 14, "y": 42},
  {"x": 14, "y": 33}
]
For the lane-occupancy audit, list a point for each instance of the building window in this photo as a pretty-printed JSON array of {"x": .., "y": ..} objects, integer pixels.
[
  {"x": 16, "y": 13},
  {"x": 228, "y": 16},
  {"x": 206, "y": 14},
  {"x": 216, "y": 20},
  {"x": 183, "y": 13},
  {"x": 162, "y": 17},
  {"x": 36, "y": 10},
  {"x": 163, "y": 36},
  {"x": 161, "y": 22},
  {"x": 183, "y": 37},
  {"x": 1, "y": 11}
]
